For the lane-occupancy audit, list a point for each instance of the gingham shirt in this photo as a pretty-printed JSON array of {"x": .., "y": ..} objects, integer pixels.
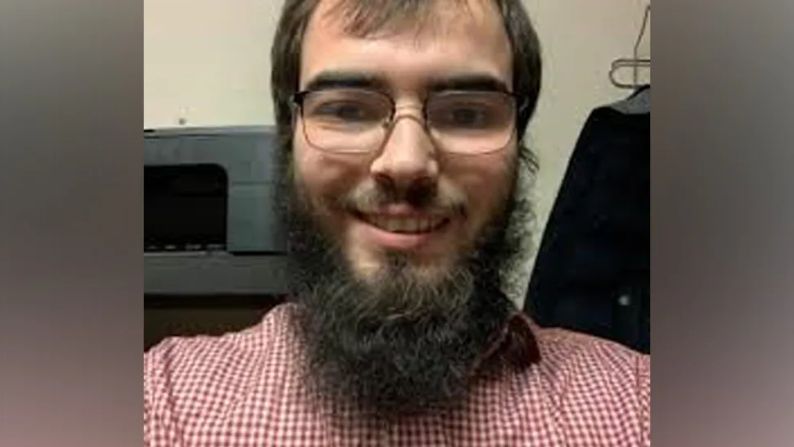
[{"x": 245, "y": 389}]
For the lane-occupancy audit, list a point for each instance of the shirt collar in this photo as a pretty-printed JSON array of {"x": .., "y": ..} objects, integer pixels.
[{"x": 515, "y": 345}]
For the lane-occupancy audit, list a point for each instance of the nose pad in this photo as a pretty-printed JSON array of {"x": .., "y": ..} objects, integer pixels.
[{"x": 408, "y": 155}]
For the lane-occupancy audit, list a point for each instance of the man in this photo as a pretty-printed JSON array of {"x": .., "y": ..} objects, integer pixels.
[{"x": 401, "y": 124}]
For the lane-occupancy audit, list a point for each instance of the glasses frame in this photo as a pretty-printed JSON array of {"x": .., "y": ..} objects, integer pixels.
[{"x": 519, "y": 104}]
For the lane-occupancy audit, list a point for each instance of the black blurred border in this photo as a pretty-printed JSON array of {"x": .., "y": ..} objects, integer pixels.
[{"x": 71, "y": 297}]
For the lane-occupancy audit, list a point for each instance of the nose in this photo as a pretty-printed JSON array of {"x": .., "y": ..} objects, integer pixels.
[{"x": 407, "y": 158}]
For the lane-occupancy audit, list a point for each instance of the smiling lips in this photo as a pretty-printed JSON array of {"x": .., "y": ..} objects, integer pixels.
[{"x": 405, "y": 224}]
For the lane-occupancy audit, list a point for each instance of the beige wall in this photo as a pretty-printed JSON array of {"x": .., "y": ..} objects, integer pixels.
[{"x": 207, "y": 62}]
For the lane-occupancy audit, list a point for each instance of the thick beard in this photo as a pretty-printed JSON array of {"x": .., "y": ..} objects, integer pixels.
[{"x": 395, "y": 344}]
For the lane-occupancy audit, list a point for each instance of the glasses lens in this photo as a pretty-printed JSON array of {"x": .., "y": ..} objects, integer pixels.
[
  {"x": 345, "y": 120},
  {"x": 471, "y": 122}
]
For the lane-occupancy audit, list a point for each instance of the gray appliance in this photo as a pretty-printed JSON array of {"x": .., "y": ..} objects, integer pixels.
[{"x": 211, "y": 225}]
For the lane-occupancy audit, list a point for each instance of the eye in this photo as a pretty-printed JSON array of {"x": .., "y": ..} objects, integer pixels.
[
  {"x": 468, "y": 117},
  {"x": 346, "y": 111},
  {"x": 460, "y": 116},
  {"x": 470, "y": 112}
]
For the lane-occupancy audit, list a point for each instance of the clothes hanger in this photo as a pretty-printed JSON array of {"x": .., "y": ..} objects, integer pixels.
[{"x": 634, "y": 63}]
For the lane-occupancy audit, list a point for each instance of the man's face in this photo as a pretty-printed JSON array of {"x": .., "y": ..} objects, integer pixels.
[{"x": 408, "y": 199}]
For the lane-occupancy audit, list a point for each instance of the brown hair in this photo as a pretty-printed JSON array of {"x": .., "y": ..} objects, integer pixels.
[{"x": 364, "y": 17}]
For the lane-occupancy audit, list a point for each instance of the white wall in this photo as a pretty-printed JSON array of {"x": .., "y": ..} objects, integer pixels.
[{"x": 207, "y": 62}]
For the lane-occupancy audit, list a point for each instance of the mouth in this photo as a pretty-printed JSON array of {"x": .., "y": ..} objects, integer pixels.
[
  {"x": 404, "y": 224},
  {"x": 403, "y": 232}
]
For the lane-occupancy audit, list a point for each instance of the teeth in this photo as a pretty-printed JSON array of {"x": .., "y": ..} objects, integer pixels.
[{"x": 404, "y": 224}]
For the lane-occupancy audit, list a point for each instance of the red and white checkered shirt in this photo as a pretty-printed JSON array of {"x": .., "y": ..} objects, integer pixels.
[{"x": 245, "y": 389}]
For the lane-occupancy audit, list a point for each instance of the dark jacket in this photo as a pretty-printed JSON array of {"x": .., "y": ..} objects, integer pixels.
[{"x": 592, "y": 273}]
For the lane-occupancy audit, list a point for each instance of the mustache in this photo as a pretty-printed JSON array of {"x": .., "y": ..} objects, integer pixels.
[{"x": 439, "y": 198}]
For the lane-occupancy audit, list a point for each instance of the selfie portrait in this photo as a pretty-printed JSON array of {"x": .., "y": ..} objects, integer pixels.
[{"x": 397, "y": 223}]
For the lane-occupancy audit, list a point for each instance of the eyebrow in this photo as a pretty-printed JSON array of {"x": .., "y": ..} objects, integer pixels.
[
  {"x": 354, "y": 79},
  {"x": 474, "y": 82},
  {"x": 345, "y": 79}
]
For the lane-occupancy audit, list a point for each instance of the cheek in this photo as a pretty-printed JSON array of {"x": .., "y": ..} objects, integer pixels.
[
  {"x": 486, "y": 181},
  {"x": 324, "y": 178}
]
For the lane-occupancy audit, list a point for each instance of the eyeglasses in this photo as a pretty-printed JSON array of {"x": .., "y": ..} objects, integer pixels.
[{"x": 353, "y": 120}]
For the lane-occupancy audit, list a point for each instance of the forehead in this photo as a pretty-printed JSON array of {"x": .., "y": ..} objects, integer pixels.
[{"x": 455, "y": 39}]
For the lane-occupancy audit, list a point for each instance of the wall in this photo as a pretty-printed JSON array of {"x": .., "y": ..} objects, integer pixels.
[{"x": 206, "y": 63}]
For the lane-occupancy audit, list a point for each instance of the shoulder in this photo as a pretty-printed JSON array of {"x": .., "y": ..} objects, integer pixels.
[
  {"x": 568, "y": 349},
  {"x": 595, "y": 379},
  {"x": 594, "y": 363},
  {"x": 252, "y": 341},
  {"x": 191, "y": 384},
  {"x": 184, "y": 367}
]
